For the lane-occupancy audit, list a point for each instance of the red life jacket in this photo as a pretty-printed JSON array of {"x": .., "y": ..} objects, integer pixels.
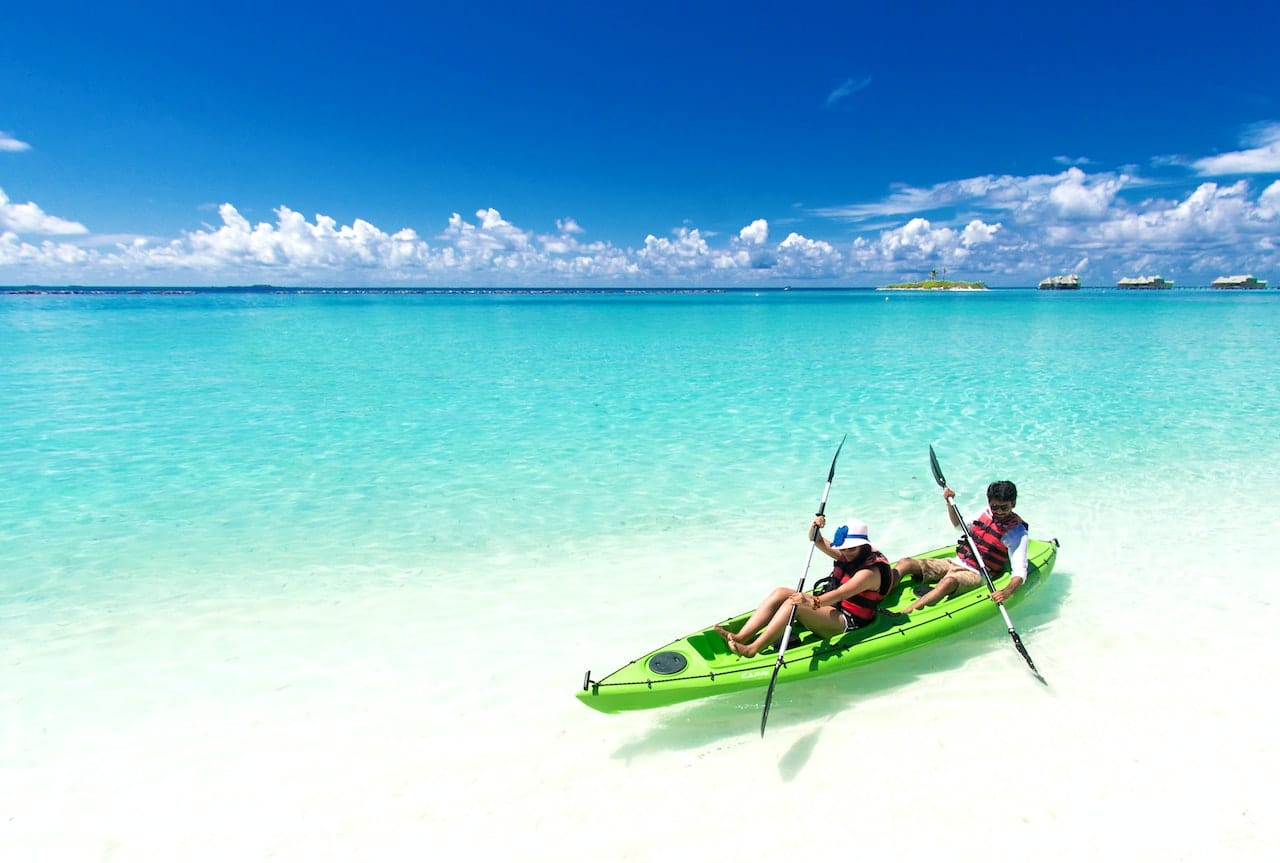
[
  {"x": 861, "y": 606},
  {"x": 988, "y": 536}
]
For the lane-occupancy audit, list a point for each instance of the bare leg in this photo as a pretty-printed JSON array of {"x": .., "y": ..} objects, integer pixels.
[
  {"x": 946, "y": 587},
  {"x": 826, "y": 621},
  {"x": 768, "y": 635},
  {"x": 763, "y": 614}
]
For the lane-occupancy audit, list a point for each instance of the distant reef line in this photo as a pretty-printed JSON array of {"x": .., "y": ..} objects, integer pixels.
[
  {"x": 282, "y": 289},
  {"x": 936, "y": 285}
]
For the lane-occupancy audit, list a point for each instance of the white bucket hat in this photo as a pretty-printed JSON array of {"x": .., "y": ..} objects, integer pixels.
[{"x": 850, "y": 533}]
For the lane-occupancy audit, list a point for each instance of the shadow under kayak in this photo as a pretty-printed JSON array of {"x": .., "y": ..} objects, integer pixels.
[{"x": 701, "y": 664}]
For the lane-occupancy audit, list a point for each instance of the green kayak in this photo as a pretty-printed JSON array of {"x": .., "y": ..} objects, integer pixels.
[{"x": 700, "y": 664}]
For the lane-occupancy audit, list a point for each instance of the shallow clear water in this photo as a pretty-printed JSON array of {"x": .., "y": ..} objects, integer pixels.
[{"x": 316, "y": 577}]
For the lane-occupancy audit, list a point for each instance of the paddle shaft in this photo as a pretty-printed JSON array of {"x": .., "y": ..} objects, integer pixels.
[
  {"x": 786, "y": 633},
  {"x": 982, "y": 567}
]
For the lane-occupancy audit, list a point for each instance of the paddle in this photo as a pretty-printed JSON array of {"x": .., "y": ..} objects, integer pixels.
[
  {"x": 786, "y": 633},
  {"x": 964, "y": 526}
]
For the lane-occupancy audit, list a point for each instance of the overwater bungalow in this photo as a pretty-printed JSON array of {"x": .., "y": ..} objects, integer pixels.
[
  {"x": 1144, "y": 283},
  {"x": 1061, "y": 283},
  {"x": 1239, "y": 283}
]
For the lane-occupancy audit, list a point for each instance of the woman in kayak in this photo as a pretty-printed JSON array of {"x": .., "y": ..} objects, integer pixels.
[{"x": 842, "y": 601}]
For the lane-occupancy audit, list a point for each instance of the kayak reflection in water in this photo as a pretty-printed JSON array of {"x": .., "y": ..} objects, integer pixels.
[{"x": 842, "y": 601}]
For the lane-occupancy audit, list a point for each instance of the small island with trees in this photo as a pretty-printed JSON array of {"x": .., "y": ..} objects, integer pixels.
[{"x": 933, "y": 283}]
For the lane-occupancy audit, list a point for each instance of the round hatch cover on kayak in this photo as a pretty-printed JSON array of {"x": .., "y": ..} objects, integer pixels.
[{"x": 667, "y": 662}]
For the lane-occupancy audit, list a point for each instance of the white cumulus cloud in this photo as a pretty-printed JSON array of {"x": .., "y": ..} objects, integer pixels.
[
  {"x": 1261, "y": 158},
  {"x": 1074, "y": 195},
  {"x": 492, "y": 235},
  {"x": 44, "y": 257},
  {"x": 1004, "y": 229},
  {"x": 687, "y": 252},
  {"x": 977, "y": 233},
  {"x": 756, "y": 233},
  {"x": 292, "y": 242},
  {"x": 801, "y": 257},
  {"x": 1269, "y": 201},
  {"x": 919, "y": 245},
  {"x": 28, "y": 218}
]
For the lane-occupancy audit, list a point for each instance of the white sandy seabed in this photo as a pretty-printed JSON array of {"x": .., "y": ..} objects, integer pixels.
[{"x": 376, "y": 717}]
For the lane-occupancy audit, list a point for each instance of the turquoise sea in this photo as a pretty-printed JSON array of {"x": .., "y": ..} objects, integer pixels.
[{"x": 315, "y": 577}]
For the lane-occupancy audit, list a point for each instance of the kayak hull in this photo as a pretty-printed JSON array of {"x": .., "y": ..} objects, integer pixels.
[{"x": 700, "y": 664}]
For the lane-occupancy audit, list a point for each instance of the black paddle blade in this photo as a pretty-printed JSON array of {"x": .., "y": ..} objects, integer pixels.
[
  {"x": 937, "y": 471},
  {"x": 773, "y": 681},
  {"x": 768, "y": 699},
  {"x": 831, "y": 474},
  {"x": 1017, "y": 642}
]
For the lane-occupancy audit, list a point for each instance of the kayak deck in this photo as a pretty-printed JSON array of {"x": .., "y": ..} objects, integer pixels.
[{"x": 701, "y": 664}]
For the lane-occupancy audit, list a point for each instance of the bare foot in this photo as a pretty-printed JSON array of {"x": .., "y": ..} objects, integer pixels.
[
  {"x": 729, "y": 637},
  {"x": 745, "y": 650}
]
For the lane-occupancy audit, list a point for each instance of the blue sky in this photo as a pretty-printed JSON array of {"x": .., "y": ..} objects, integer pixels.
[{"x": 597, "y": 144}]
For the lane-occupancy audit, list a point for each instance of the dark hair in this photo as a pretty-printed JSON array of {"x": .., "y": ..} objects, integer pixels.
[{"x": 1002, "y": 490}]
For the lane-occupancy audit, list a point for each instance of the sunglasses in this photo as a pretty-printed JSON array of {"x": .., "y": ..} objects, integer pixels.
[{"x": 1004, "y": 508}]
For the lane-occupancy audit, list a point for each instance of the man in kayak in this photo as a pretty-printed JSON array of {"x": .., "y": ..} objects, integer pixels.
[
  {"x": 1001, "y": 537},
  {"x": 842, "y": 601}
]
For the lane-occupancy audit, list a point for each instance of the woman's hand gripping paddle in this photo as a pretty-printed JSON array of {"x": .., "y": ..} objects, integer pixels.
[
  {"x": 786, "y": 633},
  {"x": 964, "y": 525}
]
